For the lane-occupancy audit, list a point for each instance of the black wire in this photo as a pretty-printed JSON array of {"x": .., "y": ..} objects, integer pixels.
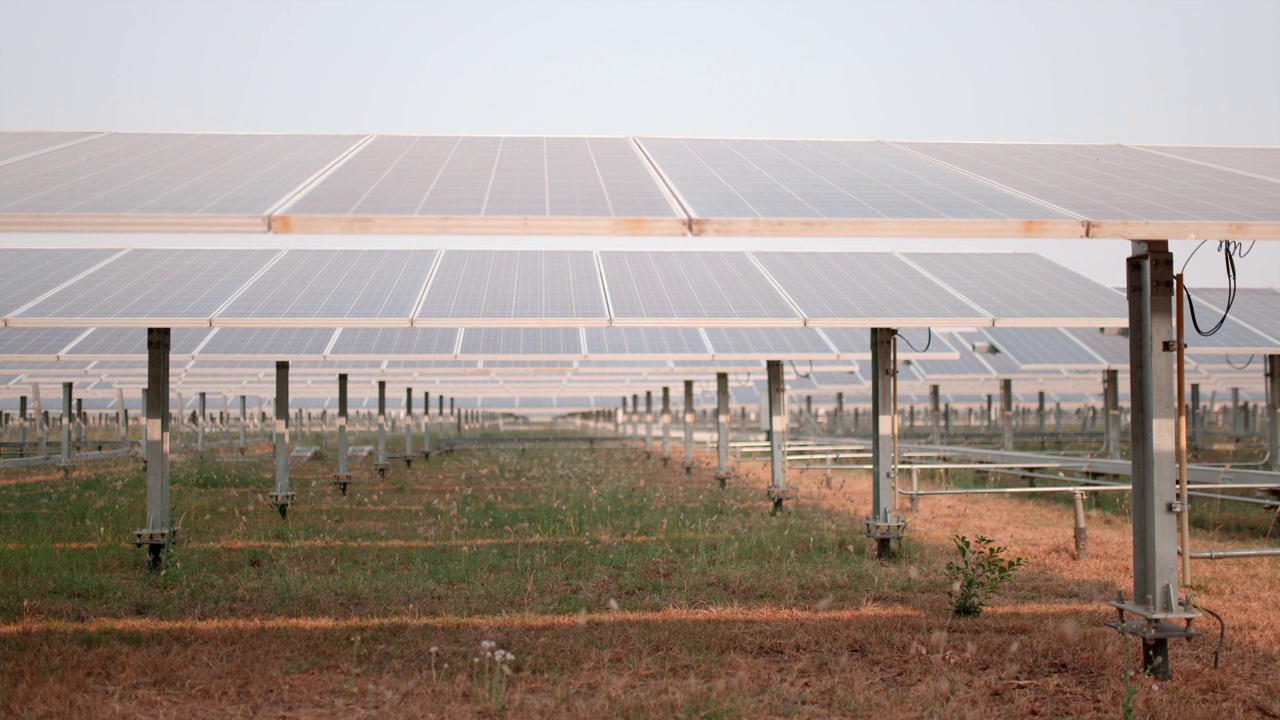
[
  {"x": 1222, "y": 633},
  {"x": 1228, "y": 249},
  {"x": 1246, "y": 364},
  {"x": 928, "y": 343},
  {"x": 797, "y": 372}
]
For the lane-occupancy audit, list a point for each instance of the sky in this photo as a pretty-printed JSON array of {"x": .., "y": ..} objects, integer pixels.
[{"x": 1128, "y": 72}]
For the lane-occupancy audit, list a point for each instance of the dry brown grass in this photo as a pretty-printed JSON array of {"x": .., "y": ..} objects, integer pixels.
[{"x": 1041, "y": 649}]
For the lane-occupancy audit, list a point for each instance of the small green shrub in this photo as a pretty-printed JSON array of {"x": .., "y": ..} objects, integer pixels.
[{"x": 978, "y": 574}]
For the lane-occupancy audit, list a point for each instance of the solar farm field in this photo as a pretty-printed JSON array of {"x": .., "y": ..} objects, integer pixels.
[{"x": 619, "y": 588}]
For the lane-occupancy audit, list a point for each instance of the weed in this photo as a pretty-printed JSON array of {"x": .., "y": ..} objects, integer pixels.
[
  {"x": 492, "y": 668},
  {"x": 979, "y": 573}
]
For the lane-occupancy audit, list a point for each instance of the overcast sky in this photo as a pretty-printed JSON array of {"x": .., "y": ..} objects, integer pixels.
[{"x": 1133, "y": 72}]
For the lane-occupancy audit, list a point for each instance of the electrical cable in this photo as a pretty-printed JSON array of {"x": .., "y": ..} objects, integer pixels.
[
  {"x": 1222, "y": 633},
  {"x": 1228, "y": 248},
  {"x": 927, "y": 344},
  {"x": 797, "y": 372},
  {"x": 1233, "y": 365}
]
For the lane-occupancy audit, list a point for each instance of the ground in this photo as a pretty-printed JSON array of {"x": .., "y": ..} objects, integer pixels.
[{"x": 622, "y": 587}]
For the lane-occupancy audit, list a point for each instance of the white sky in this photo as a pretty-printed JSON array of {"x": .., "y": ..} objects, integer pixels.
[{"x": 1134, "y": 72}]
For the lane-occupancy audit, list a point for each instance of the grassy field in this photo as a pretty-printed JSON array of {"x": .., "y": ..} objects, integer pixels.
[{"x": 621, "y": 587}]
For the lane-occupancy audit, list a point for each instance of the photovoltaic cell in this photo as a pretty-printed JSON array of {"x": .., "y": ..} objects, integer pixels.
[
  {"x": 17, "y": 144},
  {"x": 329, "y": 286},
  {"x": 515, "y": 284},
  {"x": 692, "y": 288},
  {"x": 1263, "y": 161},
  {"x": 26, "y": 274},
  {"x": 831, "y": 181},
  {"x": 483, "y": 342},
  {"x": 1116, "y": 184},
  {"x": 645, "y": 341},
  {"x": 126, "y": 177},
  {"x": 435, "y": 183},
  {"x": 864, "y": 290},
  {"x": 396, "y": 342},
  {"x": 1043, "y": 348},
  {"x": 271, "y": 343},
  {"x": 174, "y": 286},
  {"x": 1025, "y": 289},
  {"x": 769, "y": 343}
]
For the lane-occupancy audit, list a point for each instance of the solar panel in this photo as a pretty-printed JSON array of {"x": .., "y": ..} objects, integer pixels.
[
  {"x": 864, "y": 290},
  {"x": 449, "y": 184},
  {"x": 110, "y": 343},
  {"x": 527, "y": 364},
  {"x": 667, "y": 342},
  {"x": 1261, "y": 161},
  {"x": 1043, "y": 349},
  {"x": 16, "y": 145},
  {"x": 327, "y": 287},
  {"x": 481, "y": 343},
  {"x": 432, "y": 365},
  {"x": 692, "y": 288},
  {"x": 162, "y": 182},
  {"x": 273, "y": 343},
  {"x": 148, "y": 287},
  {"x": 402, "y": 343},
  {"x": 1124, "y": 192},
  {"x": 36, "y": 343},
  {"x": 1027, "y": 290},
  {"x": 492, "y": 286},
  {"x": 1000, "y": 362},
  {"x": 769, "y": 343},
  {"x": 967, "y": 365},
  {"x": 28, "y": 273},
  {"x": 809, "y": 187},
  {"x": 1113, "y": 349}
]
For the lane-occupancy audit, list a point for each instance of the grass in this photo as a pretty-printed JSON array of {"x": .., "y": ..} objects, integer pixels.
[{"x": 623, "y": 589}]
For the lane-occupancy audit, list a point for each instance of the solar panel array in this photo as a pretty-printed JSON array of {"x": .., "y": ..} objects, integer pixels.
[
  {"x": 28, "y": 273},
  {"x": 1043, "y": 348},
  {"x": 15, "y": 145},
  {"x": 1260, "y": 161}
]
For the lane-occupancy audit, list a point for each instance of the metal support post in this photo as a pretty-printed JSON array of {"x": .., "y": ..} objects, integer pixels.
[
  {"x": 122, "y": 416},
  {"x": 1082, "y": 532},
  {"x": 666, "y": 425},
  {"x": 839, "y": 420},
  {"x": 1150, "y": 290},
  {"x": 67, "y": 411},
  {"x": 1006, "y": 413},
  {"x": 635, "y": 418},
  {"x": 142, "y": 445},
  {"x": 22, "y": 428},
  {"x": 156, "y": 533},
  {"x": 990, "y": 416},
  {"x": 202, "y": 413},
  {"x": 426, "y": 424},
  {"x": 342, "y": 477},
  {"x": 935, "y": 429},
  {"x": 1273, "y": 410},
  {"x": 777, "y": 491},
  {"x": 283, "y": 496},
  {"x": 408, "y": 427},
  {"x": 689, "y": 419},
  {"x": 648, "y": 422},
  {"x": 244, "y": 422},
  {"x": 722, "y": 428},
  {"x": 1111, "y": 411},
  {"x": 883, "y": 525},
  {"x": 380, "y": 462},
  {"x": 1235, "y": 411},
  {"x": 1040, "y": 412}
]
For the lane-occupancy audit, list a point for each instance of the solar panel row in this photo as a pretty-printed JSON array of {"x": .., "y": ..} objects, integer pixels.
[
  {"x": 553, "y": 288},
  {"x": 626, "y": 186}
]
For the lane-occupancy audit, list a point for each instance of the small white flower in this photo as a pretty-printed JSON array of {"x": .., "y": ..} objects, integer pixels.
[
  {"x": 434, "y": 650},
  {"x": 487, "y": 644}
]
